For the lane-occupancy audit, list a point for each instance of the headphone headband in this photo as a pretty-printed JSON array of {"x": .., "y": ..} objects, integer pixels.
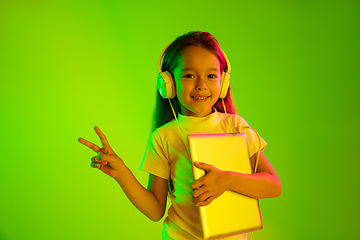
[{"x": 161, "y": 56}]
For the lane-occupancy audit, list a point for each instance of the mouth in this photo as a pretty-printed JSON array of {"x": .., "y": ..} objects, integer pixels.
[{"x": 200, "y": 97}]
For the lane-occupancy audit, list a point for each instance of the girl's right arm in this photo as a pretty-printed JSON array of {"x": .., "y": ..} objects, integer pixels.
[{"x": 151, "y": 201}]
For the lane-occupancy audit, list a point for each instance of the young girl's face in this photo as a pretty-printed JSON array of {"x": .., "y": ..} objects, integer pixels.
[{"x": 197, "y": 77}]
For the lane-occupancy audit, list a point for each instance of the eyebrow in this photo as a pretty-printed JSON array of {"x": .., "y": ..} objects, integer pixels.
[{"x": 187, "y": 69}]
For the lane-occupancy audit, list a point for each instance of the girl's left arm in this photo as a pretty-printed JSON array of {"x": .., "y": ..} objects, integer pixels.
[{"x": 265, "y": 183}]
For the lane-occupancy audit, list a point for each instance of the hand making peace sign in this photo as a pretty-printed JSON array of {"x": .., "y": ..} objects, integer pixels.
[{"x": 106, "y": 159}]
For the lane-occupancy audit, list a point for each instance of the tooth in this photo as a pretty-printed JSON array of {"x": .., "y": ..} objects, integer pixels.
[{"x": 200, "y": 98}]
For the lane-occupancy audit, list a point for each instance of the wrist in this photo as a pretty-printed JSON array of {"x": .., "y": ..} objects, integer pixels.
[
  {"x": 228, "y": 180},
  {"x": 121, "y": 172}
]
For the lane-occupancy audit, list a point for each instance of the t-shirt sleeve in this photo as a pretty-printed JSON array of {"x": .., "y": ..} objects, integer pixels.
[
  {"x": 252, "y": 138},
  {"x": 155, "y": 159}
]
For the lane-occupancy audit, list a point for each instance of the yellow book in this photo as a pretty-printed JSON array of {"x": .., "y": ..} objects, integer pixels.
[{"x": 231, "y": 213}]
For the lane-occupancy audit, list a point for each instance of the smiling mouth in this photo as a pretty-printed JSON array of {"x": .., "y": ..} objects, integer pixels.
[{"x": 200, "y": 98}]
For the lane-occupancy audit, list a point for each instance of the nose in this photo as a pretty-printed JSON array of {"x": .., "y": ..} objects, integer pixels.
[{"x": 201, "y": 84}]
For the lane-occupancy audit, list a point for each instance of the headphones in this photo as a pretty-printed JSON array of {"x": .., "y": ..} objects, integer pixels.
[{"x": 166, "y": 84}]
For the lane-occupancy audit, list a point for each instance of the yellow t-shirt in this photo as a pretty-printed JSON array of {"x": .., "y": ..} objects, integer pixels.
[{"x": 167, "y": 155}]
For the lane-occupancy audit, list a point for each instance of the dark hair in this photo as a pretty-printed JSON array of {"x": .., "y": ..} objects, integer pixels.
[{"x": 163, "y": 112}]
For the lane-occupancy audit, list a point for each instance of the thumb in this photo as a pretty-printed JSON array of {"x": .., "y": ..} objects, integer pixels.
[{"x": 204, "y": 166}]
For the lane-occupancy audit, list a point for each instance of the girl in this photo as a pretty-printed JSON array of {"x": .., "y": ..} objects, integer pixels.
[{"x": 193, "y": 68}]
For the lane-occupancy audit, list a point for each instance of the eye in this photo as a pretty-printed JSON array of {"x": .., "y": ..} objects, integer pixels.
[
  {"x": 212, "y": 76},
  {"x": 189, "y": 76}
]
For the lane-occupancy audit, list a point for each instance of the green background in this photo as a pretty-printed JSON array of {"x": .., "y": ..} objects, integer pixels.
[{"x": 67, "y": 66}]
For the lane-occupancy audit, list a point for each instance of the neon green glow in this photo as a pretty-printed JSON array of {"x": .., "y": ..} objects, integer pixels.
[{"x": 66, "y": 67}]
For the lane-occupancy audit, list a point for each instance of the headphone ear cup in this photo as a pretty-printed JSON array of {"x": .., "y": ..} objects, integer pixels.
[
  {"x": 165, "y": 85},
  {"x": 224, "y": 85}
]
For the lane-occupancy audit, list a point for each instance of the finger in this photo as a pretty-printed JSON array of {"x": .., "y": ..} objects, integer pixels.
[
  {"x": 199, "y": 191},
  {"x": 95, "y": 165},
  {"x": 202, "y": 197},
  {"x": 96, "y": 159},
  {"x": 206, "y": 202},
  {"x": 103, "y": 158},
  {"x": 102, "y": 137},
  {"x": 89, "y": 145},
  {"x": 198, "y": 183},
  {"x": 99, "y": 165}
]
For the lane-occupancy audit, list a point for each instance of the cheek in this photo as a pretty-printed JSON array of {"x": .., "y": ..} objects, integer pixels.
[
  {"x": 181, "y": 88},
  {"x": 216, "y": 88},
  {"x": 178, "y": 89}
]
